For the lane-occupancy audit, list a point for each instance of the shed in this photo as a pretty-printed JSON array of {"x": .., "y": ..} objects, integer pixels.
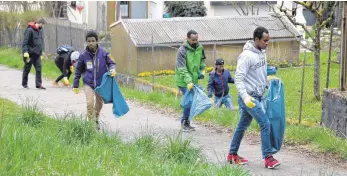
[{"x": 140, "y": 45}]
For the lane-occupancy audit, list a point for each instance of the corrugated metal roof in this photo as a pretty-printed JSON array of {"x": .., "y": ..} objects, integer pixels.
[
  {"x": 223, "y": 3},
  {"x": 210, "y": 29}
]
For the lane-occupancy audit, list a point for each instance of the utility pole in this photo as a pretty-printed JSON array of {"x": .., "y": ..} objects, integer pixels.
[{"x": 343, "y": 62}]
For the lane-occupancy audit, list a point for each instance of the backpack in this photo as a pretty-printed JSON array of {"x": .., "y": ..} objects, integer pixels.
[{"x": 64, "y": 49}]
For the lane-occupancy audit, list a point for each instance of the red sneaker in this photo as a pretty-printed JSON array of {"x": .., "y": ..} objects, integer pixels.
[
  {"x": 271, "y": 162},
  {"x": 236, "y": 159}
]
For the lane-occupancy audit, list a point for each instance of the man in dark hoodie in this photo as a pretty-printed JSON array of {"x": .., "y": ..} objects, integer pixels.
[
  {"x": 190, "y": 66},
  {"x": 93, "y": 63},
  {"x": 32, "y": 48},
  {"x": 218, "y": 85},
  {"x": 65, "y": 61}
]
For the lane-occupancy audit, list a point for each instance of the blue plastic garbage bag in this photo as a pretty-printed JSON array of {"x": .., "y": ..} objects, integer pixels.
[
  {"x": 271, "y": 70},
  {"x": 187, "y": 99},
  {"x": 200, "y": 102},
  {"x": 275, "y": 109},
  {"x": 110, "y": 93}
]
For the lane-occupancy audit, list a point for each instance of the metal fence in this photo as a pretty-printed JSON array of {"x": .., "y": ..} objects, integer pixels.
[{"x": 57, "y": 32}]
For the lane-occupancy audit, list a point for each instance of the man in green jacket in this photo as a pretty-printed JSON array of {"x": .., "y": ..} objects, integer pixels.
[{"x": 190, "y": 66}]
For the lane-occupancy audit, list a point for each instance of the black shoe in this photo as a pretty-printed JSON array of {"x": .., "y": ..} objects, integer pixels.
[
  {"x": 25, "y": 87},
  {"x": 41, "y": 87},
  {"x": 186, "y": 126},
  {"x": 191, "y": 127}
]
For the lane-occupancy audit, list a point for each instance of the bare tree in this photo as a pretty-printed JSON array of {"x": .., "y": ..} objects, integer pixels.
[
  {"x": 247, "y": 8},
  {"x": 53, "y": 8},
  {"x": 16, "y": 15},
  {"x": 323, "y": 12},
  {"x": 10, "y": 21},
  {"x": 244, "y": 9}
]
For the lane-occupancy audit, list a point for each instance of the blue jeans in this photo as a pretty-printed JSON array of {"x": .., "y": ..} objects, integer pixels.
[
  {"x": 226, "y": 100},
  {"x": 246, "y": 117},
  {"x": 186, "y": 111}
]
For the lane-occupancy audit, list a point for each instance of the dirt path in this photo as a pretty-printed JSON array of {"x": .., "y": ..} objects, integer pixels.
[{"x": 140, "y": 120}]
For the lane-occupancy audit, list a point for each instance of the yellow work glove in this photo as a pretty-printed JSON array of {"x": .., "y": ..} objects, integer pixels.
[
  {"x": 72, "y": 69},
  {"x": 113, "y": 72},
  {"x": 269, "y": 78},
  {"x": 26, "y": 55},
  {"x": 249, "y": 101},
  {"x": 212, "y": 100},
  {"x": 203, "y": 72},
  {"x": 66, "y": 81},
  {"x": 190, "y": 86},
  {"x": 76, "y": 90}
]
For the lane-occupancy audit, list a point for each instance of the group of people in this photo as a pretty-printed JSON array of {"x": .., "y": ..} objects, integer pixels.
[
  {"x": 91, "y": 64},
  {"x": 250, "y": 79}
]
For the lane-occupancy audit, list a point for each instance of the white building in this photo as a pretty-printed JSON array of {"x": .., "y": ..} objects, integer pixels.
[
  {"x": 237, "y": 8},
  {"x": 94, "y": 13}
]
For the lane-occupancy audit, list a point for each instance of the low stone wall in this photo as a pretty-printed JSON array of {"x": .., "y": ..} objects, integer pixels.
[{"x": 335, "y": 111}]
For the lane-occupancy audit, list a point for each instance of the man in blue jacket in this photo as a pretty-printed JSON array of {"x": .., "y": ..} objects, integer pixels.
[
  {"x": 218, "y": 85},
  {"x": 93, "y": 63}
]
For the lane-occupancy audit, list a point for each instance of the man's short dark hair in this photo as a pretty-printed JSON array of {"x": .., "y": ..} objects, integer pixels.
[
  {"x": 191, "y": 32},
  {"x": 92, "y": 33},
  {"x": 41, "y": 21},
  {"x": 258, "y": 33}
]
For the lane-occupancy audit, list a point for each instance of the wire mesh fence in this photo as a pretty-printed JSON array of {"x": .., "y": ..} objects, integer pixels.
[{"x": 57, "y": 32}]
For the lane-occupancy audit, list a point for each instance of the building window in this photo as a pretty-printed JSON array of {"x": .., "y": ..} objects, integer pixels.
[
  {"x": 73, "y": 4},
  {"x": 124, "y": 9}
]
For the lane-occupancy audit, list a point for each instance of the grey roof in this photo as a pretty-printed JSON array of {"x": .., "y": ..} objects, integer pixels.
[
  {"x": 223, "y": 3},
  {"x": 226, "y": 30}
]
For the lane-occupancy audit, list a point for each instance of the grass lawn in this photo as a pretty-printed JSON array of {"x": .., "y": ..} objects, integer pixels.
[
  {"x": 312, "y": 109},
  {"x": 317, "y": 137},
  {"x": 34, "y": 144}
]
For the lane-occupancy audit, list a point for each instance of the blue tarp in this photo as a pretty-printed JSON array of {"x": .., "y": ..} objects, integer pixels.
[
  {"x": 275, "y": 109},
  {"x": 196, "y": 100},
  {"x": 110, "y": 93}
]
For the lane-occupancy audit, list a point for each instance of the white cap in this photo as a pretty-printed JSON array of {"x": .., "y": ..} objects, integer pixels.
[{"x": 75, "y": 55}]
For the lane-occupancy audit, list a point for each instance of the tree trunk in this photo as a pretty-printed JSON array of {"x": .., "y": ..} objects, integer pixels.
[
  {"x": 317, "y": 62},
  {"x": 10, "y": 37}
]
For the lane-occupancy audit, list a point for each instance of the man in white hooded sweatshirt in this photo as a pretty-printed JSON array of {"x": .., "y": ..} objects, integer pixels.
[{"x": 251, "y": 80}]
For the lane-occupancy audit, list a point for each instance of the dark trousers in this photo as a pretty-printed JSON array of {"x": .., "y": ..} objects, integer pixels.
[
  {"x": 62, "y": 73},
  {"x": 36, "y": 61}
]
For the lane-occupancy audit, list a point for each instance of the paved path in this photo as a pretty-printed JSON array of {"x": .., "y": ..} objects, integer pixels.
[{"x": 140, "y": 120}]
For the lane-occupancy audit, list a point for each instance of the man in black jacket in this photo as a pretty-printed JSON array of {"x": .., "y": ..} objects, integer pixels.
[
  {"x": 65, "y": 61},
  {"x": 32, "y": 48}
]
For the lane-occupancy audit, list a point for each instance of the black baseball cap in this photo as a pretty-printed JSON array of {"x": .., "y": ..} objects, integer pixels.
[{"x": 219, "y": 61}]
